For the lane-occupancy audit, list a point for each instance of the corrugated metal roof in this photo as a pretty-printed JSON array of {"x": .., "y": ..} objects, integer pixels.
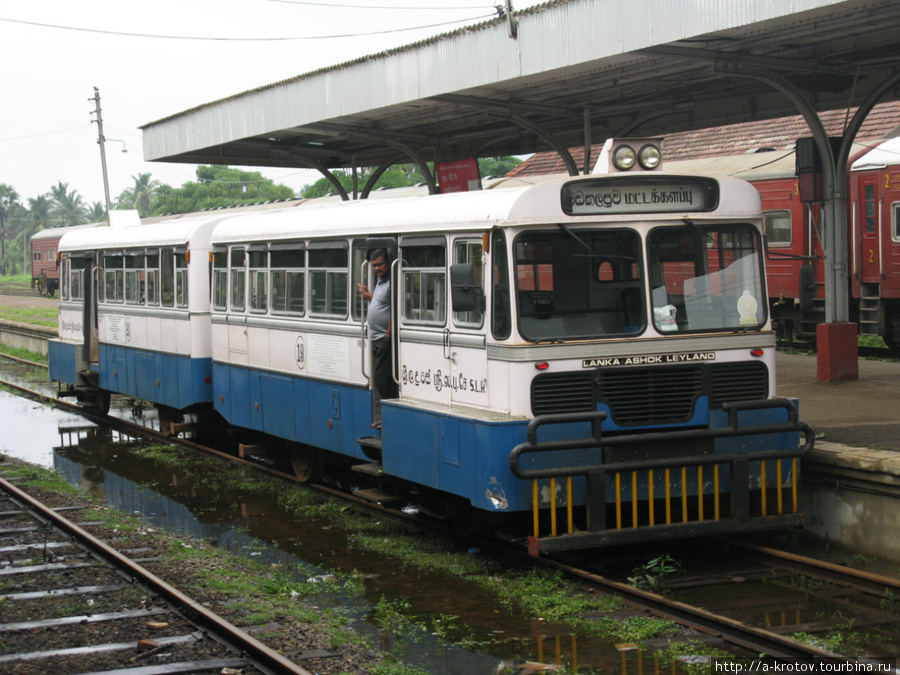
[{"x": 476, "y": 91}]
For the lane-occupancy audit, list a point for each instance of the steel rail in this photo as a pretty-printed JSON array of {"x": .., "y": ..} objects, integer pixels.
[
  {"x": 735, "y": 632},
  {"x": 755, "y": 639},
  {"x": 262, "y": 657},
  {"x": 866, "y": 582}
]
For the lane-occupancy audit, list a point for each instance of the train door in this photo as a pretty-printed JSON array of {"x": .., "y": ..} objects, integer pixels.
[
  {"x": 869, "y": 230},
  {"x": 92, "y": 280},
  {"x": 464, "y": 342}
]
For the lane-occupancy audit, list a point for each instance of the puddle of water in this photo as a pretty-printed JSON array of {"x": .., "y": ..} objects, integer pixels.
[{"x": 102, "y": 461}]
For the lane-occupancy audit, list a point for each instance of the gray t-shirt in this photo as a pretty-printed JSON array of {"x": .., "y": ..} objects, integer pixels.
[{"x": 379, "y": 316}]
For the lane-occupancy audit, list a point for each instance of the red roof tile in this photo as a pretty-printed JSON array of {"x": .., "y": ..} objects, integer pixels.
[{"x": 883, "y": 121}]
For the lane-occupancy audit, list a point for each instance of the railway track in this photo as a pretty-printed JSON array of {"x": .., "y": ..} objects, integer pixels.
[
  {"x": 74, "y": 604},
  {"x": 755, "y": 640}
]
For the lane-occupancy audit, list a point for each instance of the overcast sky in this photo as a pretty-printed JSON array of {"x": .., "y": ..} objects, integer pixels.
[{"x": 150, "y": 60}]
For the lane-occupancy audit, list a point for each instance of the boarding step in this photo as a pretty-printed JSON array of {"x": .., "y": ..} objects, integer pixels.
[
  {"x": 371, "y": 447},
  {"x": 371, "y": 469}
]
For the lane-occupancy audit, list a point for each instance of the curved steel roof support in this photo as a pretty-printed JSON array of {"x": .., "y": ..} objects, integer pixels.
[
  {"x": 837, "y": 291},
  {"x": 325, "y": 171},
  {"x": 370, "y": 183},
  {"x": 559, "y": 147},
  {"x": 418, "y": 159}
]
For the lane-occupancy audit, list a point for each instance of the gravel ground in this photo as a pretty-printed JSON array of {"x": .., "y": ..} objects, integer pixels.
[{"x": 354, "y": 656}]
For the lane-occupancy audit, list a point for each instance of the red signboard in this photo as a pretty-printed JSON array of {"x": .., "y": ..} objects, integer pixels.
[{"x": 459, "y": 176}]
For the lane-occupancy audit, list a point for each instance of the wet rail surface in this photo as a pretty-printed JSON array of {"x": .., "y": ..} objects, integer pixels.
[
  {"x": 719, "y": 626},
  {"x": 52, "y": 567}
]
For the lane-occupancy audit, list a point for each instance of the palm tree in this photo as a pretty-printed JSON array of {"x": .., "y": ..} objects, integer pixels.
[
  {"x": 140, "y": 196},
  {"x": 96, "y": 212},
  {"x": 68, "y": 206},
  {"x": 8, "y": 199}
]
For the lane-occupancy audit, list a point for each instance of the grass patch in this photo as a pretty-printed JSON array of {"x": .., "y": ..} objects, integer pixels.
[
  {"x": 40, "y": 478},
  {"x": 38, "y": 316},
  {"x": 23, "y": 354}
]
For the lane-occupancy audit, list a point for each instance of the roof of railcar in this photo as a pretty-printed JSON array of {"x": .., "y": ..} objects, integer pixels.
[
  {"x": 185, "y": 231},
  {"x": 470, "y": 211},
  {"x": 57, "y": 232}
]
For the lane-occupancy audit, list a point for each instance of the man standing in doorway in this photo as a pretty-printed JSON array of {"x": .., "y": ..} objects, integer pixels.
[{"x": 379, "y": 320}]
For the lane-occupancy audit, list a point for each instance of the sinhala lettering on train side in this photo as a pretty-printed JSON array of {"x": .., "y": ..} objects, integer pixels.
[
  {"x": 440, "y": 380},
  {"x": 648, "y": 359}
]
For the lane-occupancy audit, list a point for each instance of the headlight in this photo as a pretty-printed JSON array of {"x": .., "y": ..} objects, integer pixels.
[
  {"x": 649, "y": 156},
  {"x": 623, "y": 157}
]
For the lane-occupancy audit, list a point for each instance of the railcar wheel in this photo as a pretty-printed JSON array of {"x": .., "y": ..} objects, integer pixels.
[{"x": 308, "y": 462}]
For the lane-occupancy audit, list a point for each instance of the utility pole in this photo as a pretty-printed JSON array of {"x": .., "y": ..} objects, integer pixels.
[{"x": 101, "y": 141}]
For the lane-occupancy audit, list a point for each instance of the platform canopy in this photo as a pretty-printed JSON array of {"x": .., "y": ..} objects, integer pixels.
[{"x": 553, "y": 76}]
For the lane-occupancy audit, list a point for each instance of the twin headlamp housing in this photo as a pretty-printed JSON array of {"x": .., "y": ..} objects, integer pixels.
[{"x": 628, "y": 154}]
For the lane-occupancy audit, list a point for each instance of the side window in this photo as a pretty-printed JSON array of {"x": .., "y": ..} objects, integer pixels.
[
  {"x": 895, "y": 221},
  {"x": 114, "y": 266},
  {"x": 134, "y": 278},
  {"x": 181, "y": 278},
  {"x": 869, "y": 207},
  {"x": 238, "y": 279},
  {"x": 259, "y": 280},
  {"x": 357, "y": 258},
  {"x": 328, "y": 277},
  {"x": 288, "y": 270},
  {"x": 167, "y": 276},
  {"x": 425, "y": 284},
  {"x": 152, "y": 289},
  {"x": 470, "y": 251},
  {"x": 501, "y": 315},
  {"x": 220, "y": 279},
  {"x": 777, "y": 226},
  {"x": 64, "y": 278},
  {"x": 77, "y": 285}
]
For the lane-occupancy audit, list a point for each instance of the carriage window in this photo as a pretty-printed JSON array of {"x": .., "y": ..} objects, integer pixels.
[
  {"x": 288, "y": 280},
  {"x": 328, "y": 281},
  {"x": 473, "y": 253},
  {"x": 64, "y": 279},
  {"x": 425, "y": 284},
  {"x": 869, "y": 197},
  {"x": 134, "y": 279},
  {"x": 777, "y": 228},
  {"x": 259, "y": 281},
  {"x": 895, "y": 222},
  {"x": 152, "y": 277},
  {"x": 501, "y": 313},
  {"x": 579, "y": 284},
  {"x": 78, "y": 266},
  {"x": 696, "y": 287},
  {"x": 220, "y": 279},
  {"x": 181, "y": 279},
  {"x": 114, "y": 266},
  {"x": 167, "y": 277},
  {"x": 238, "y": 279},
  {"x": 357, "y": 258}
]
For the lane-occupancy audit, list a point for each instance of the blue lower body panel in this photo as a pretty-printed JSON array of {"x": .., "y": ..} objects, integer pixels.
[
  {"x": 327, "y": 415},
  {"x": 62, "y": 358},
  {"x": 166, "y": 379}
]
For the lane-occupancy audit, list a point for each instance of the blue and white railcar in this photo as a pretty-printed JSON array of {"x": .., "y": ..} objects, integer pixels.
[
  {"x": 134, "y": 314},
  {"x": 595, "y": 346}
]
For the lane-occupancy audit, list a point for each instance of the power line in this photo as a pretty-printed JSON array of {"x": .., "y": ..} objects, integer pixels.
[{"x": 241, "y": 39}]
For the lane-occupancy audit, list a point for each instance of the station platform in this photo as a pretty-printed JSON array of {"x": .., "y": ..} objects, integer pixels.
[
  {"x": 850, "y": 485},
  {"x": 863, "y": 413}
]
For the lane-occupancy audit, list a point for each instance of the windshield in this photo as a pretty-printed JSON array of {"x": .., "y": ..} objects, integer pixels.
[
  {"x": 579, "y": 284},
  {"x": 706, "y": 278}
]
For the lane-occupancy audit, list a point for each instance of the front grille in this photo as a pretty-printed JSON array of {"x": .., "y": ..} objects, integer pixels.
[
  {"x": 648, "y": 396},
  {"x": 562, "y": 392},
  {"x": 651, "y": 396},
  {"x": 743, "y": 381}
]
